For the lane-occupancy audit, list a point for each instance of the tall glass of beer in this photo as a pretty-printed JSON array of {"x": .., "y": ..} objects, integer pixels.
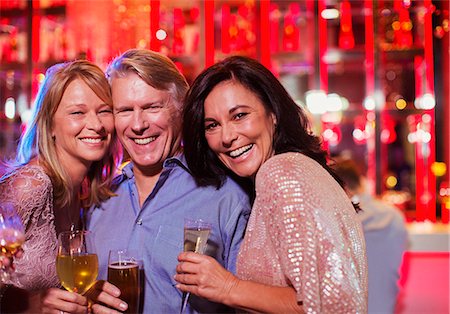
[{"x": 123, "y": 272}]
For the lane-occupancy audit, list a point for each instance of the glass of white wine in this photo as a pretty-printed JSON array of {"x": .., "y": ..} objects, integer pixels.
[
  {"x": 196, "y": 233},
  {"x": 77, "y": 267},
  {"x": 12, "y": 236}
]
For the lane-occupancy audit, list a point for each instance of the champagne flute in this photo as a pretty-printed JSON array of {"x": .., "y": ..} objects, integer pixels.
[
  {"x": 12, "y": 235},
  {"x": 77, "y": 267},
  {"x": 124, "y": 273},
  {"x": 196, "y": 233}
]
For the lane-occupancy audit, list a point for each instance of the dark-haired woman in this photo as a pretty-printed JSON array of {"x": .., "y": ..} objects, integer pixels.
[{"x": 303, "y": 250}]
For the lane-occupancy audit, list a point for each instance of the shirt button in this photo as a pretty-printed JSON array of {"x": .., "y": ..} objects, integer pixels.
[{"x": 139, "y": 222}]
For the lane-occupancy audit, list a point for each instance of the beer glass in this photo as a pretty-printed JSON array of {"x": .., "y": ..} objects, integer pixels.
[
  {"x": 11, "y": 236},
  {"x": 123, "y": 272},
  {"x": 196, "y": 233},
  {"x": 77, "y": 267}
]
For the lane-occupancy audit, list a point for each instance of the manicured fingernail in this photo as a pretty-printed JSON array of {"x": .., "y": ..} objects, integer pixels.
[{"x": 123, "y": 305}]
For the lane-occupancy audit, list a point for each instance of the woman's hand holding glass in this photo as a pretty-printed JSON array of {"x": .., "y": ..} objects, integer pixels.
[
  {"x": 196, "y": 234},
  {"x": 12, "y": 237},
  {"x": 203, "y": 276}
]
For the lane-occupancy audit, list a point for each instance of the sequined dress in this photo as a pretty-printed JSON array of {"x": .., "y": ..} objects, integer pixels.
[
  {"x": 30, "y": 190},
  {"x": 303, "y": 232}
]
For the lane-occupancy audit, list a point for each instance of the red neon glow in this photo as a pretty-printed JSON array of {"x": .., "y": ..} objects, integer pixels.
[
  {"x": 424, "y": 276},
  {"x": 323, "y": 45},
  {"x": 178, "y": 28},
  {"x": 274, "y": 24},
  {"x": 431, "y": 179},
  {"x": 242, "y": 40},
  {"x": 331, "y": 134},
  {"x": 194, "y": 14},
  {"x": 445, "y": 213},
  {"x": 388, "y": 134},
  {"x": 428, "y": 29},
  {"x": 178, "y": 25},
  {"x": 370, "y": 48},
  {"x": 266, "y": 32},
  {"x": 424, "y": 153},
  {"x": 402, "y": 27},
  {"x": 370, "y": 91},
  {"x": 226, "y": 28},
  {"x": 444, "y": 194},
  {"x": 359, "y": 131},
  {"x": 383, "y": 148},
  {"x": 35, "y": 47},
  {"x": 35, "y": 32},
  {"x": 346, "y": 38},
  {"x": 418, "y": 66},
  {"x": 155, "y": 44},
  {"x": 209, "y": 32},
  {"x": 290, "y": 30}
]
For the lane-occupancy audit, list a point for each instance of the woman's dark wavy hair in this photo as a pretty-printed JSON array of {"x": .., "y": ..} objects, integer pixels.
[{"x": 292, "y": 132}]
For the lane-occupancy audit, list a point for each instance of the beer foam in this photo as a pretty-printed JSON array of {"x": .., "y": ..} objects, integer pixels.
[{"x": 123, "y": 265}]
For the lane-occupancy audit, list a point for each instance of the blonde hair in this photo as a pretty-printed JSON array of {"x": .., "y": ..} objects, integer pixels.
[
  {"x": 155, "y": 69},
  {"x": 37, "y": 141}
]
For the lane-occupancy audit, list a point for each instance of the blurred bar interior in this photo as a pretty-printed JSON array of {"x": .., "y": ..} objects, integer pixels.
[{"x": 373, "y": 74}]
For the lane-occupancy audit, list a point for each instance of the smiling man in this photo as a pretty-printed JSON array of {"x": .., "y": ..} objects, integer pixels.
[{"x": 156, "y": 192}]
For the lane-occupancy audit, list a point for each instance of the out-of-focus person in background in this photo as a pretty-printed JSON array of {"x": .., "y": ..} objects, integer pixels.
[
  {"x": 303, "y": 250},
  {"x": 386, "y": 237},
  {"x": 64, "y": 162}
]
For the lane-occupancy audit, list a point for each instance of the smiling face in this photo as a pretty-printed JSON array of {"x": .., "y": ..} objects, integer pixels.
[
  {"x": 83, "y": 126},
  {"x": 238, "y": 128},
  {"x": 147, "y": 122}
]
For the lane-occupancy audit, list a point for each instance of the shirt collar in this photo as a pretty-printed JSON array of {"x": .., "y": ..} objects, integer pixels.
[
  {"x": 177, "y": 160},
  {"x": 170, "y": 163}
]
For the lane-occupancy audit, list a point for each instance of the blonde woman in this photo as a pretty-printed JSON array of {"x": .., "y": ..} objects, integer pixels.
[{"x": 64, "y": 162}]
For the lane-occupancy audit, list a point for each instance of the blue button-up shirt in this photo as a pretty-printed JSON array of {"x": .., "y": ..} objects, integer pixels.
[{"x": 156, "y": 230}]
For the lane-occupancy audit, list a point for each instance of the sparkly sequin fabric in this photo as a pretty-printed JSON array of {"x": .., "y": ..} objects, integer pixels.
[
  {"x": 303, "y": 232},
  {"x": 30, "y": 190}
]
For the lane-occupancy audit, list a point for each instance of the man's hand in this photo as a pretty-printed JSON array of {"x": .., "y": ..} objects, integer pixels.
[{"x": 105, "y": 297}]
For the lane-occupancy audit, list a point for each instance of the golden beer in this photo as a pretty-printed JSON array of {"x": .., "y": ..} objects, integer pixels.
[
  {"x": 77, "y": 272},
  {"x": 125, "y": 276}
]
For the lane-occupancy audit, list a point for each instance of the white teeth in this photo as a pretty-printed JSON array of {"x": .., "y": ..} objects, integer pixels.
[
  {"x": 91, "y": 140},
  {"x": 240, "y": 151},
  {"x": 143, "y": 141}
]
